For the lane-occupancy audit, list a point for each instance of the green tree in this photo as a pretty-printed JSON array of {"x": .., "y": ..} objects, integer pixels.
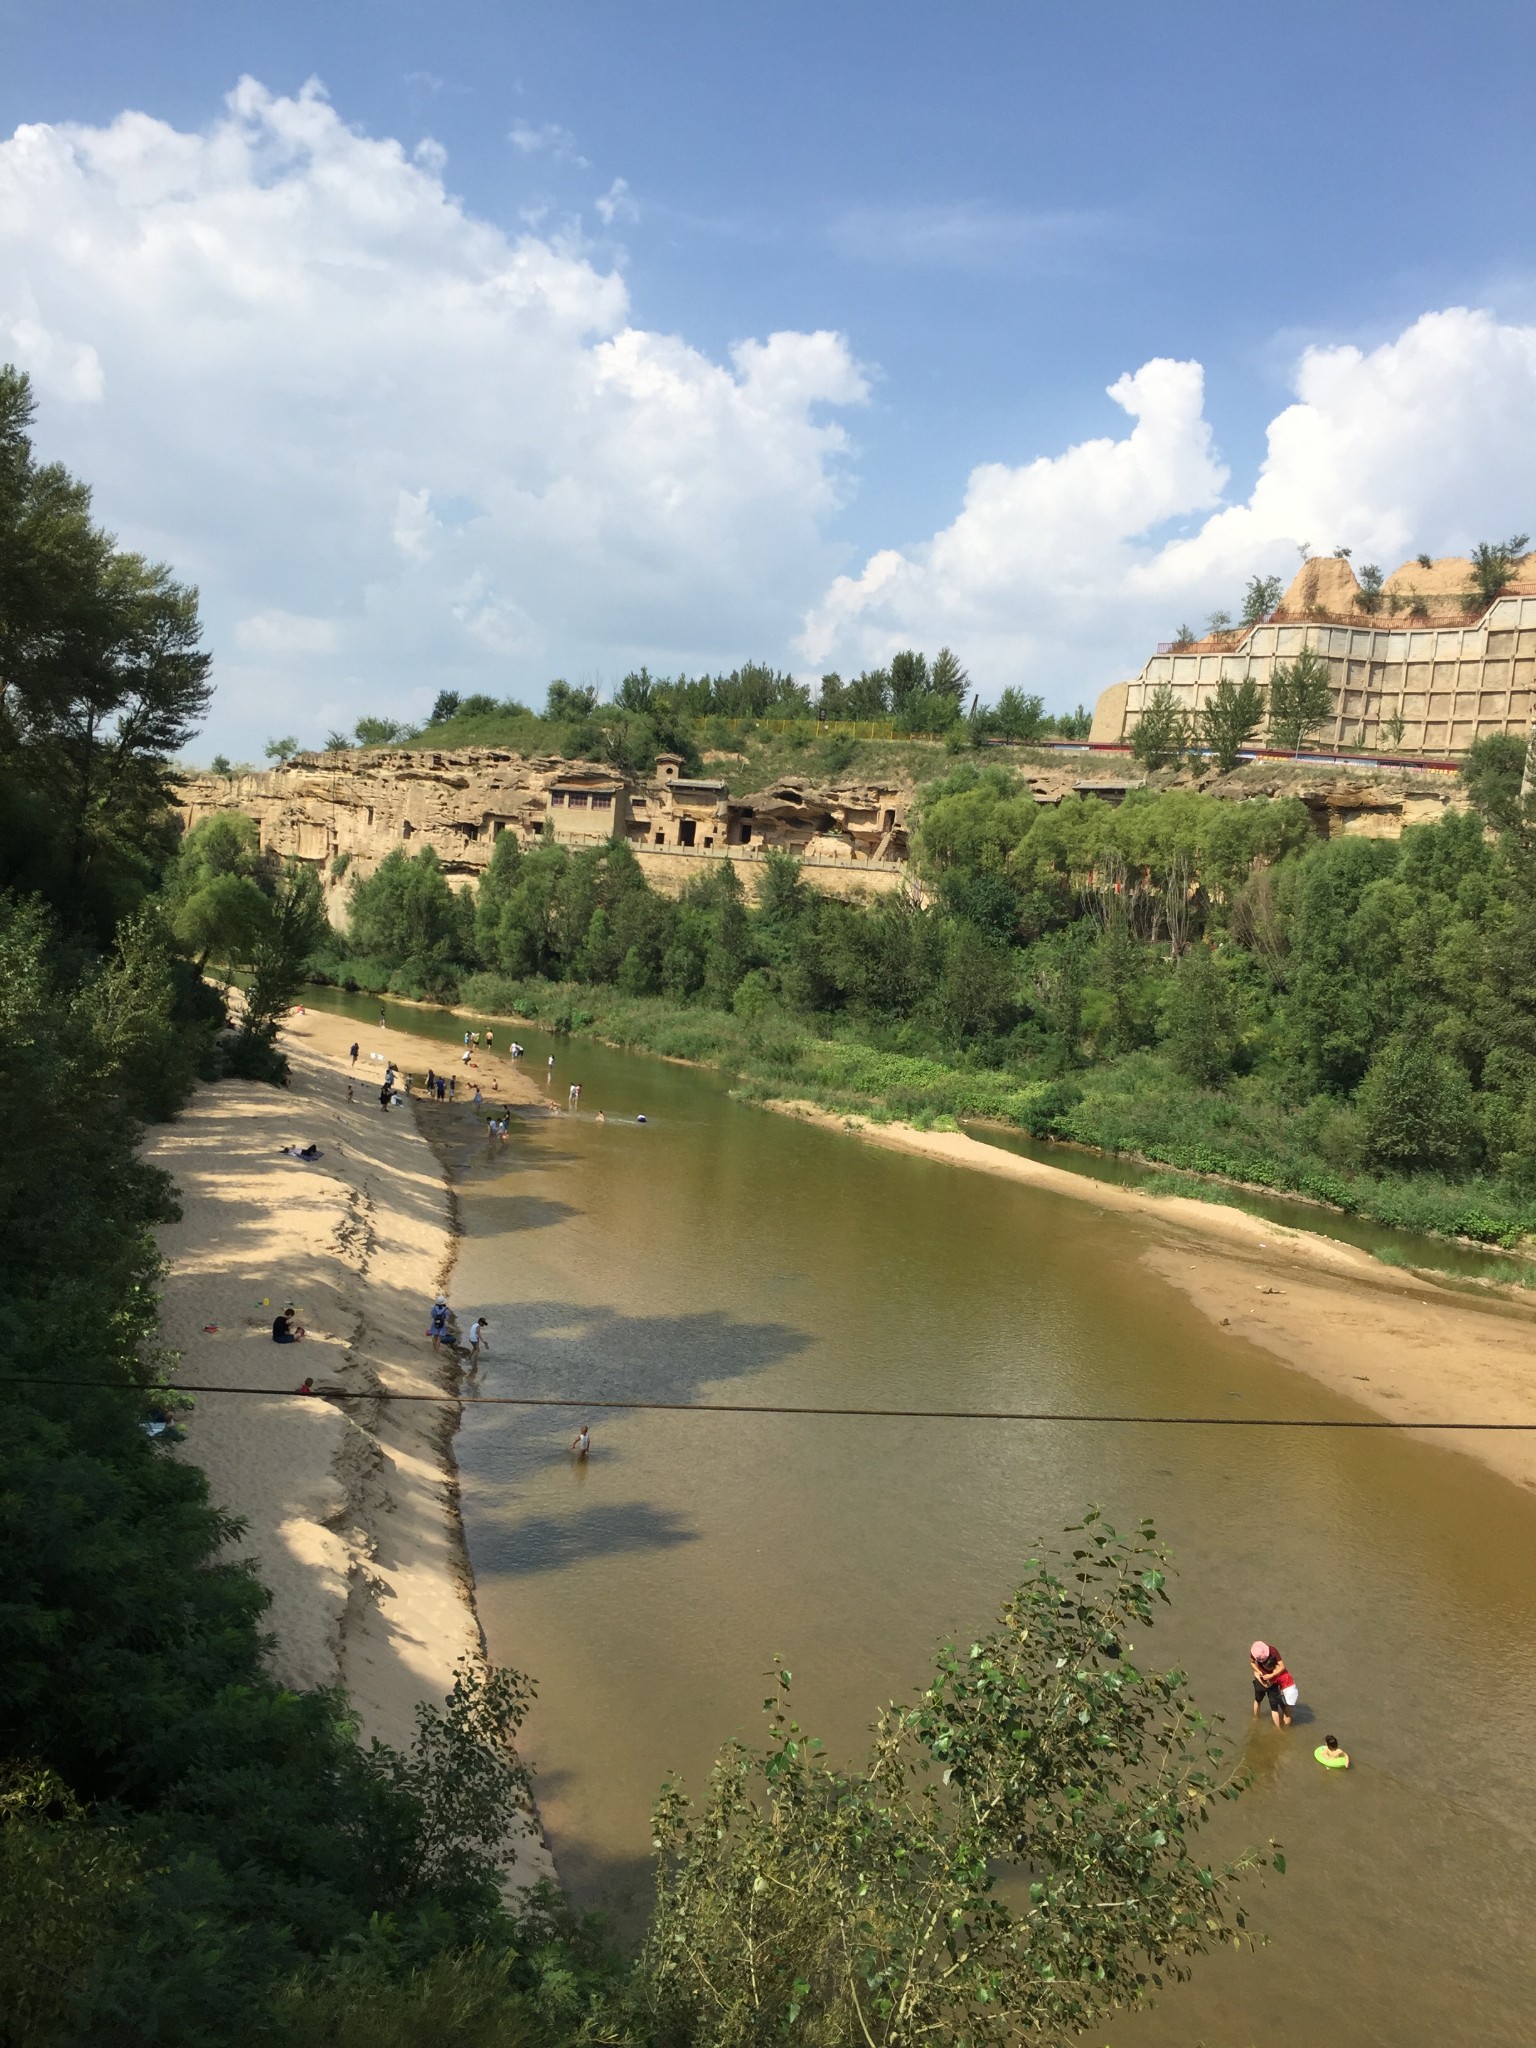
[
  {"x": 1076, "y": 724},
  {"x": 1162, "y": 732},
  {"x": 1369, "y": 597},
  {"x": 568, "y": 704},
  {"x": 278, "y": 955},
  {"x": 1494, "y": 567},
  {"x": 948, "y": 679},
  {"x": 1199, "y": 1023},
  {"x": 1415, "y": 1107},
  {"x": 406, "y": 916},
  {"x": 491, "y": 898},
  {"x": 868, "y": 695},
  {"x": 281, "y": 751},
  {"x": 1300, "y": 698},
  {"x": 1493, "y": 769},
  {"x": 102, "y": 682},
  {"x": 381, "y": 732},
  {"x": 1019, "y": 716},
  {"x": 1229, "y": 718},
  {"x": 1016, "y": 1857},
  {"x": 445, "y": 706},
  {"x": 1260, "y": 598},
  {"x": 971, "y": 822}
]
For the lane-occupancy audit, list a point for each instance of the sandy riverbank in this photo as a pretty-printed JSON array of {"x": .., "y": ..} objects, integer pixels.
[
  {"x": 1397, "y": 1344},
  {"x": 351, "y": 1513}
]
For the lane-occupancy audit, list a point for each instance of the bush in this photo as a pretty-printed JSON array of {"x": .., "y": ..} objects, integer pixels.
[{"x": 1415, "y": 1107}]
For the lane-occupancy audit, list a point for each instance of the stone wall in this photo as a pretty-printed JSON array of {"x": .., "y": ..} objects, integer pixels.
[{"x": 1452, "y": 679}]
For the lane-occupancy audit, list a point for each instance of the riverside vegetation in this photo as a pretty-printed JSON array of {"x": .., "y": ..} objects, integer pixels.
[
  {"x": 1195, "y": 981},
  {"x": 191, "y": 1854}
]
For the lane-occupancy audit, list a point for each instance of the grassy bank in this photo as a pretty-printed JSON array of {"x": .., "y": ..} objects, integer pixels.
[{"x": 1136, "y": 1107}]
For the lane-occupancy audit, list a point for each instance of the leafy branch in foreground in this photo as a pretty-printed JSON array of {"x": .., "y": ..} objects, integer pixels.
[{"x": 1016, "y": 1856}]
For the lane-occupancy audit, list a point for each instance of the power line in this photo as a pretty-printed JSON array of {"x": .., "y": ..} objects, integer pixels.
[{"x": 1050, "y": 1415}]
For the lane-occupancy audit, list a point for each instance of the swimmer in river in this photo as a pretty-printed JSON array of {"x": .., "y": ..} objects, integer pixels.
[
  {"x": 581, "y": 1443},
  {"x": 1330, "y": 1756}
]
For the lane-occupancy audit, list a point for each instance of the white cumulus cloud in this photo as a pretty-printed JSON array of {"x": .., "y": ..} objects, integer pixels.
[
  {"x": 396, "y": 445},
  {"x": 1061, "y": 574}
]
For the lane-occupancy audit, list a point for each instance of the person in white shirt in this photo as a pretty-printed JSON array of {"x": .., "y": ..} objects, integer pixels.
[
  {"x": 582, "y": 1443},
  {"x": 476, "y": 1341}
]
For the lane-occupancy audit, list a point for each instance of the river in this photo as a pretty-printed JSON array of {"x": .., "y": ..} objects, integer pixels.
[{"x": 720, "y": 1251}]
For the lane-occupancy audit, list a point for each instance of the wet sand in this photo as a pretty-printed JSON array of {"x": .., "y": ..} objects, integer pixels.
[
  {"x": 1398, "y": 1344},
  {"x": 351, "y": 1512}
]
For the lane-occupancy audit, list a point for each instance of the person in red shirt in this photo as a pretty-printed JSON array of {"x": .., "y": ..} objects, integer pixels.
[{"x": 1270, "y": 1679}]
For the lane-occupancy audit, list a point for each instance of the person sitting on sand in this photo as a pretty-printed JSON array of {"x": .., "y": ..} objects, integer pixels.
[
  {"x": 286, "y": 1329},
  {"x": 581, "y": 1443},
  {"x": 1330, "y": 1756},
  {"x": 1270, "y": 1680}
]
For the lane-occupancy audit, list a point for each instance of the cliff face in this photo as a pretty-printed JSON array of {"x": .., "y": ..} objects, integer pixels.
[{"x": 343, "y": 813}]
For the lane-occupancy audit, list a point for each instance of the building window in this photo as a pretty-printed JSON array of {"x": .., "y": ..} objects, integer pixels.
[
  {"x": 557, "y": 796},
  {"x": 661, "y": 838},
  {"x": 577, "y": 799},
  {"x": 602, "y": 803}
]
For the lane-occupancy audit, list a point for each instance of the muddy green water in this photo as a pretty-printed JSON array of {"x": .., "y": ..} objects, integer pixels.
[{"x": 721, "y": 1251}]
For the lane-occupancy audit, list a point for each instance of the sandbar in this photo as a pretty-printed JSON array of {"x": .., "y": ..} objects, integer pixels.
[{"x": 1397, "y": 1344}]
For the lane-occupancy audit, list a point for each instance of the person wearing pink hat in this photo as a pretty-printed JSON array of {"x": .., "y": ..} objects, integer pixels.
[{"x": 1272, "y": 1683}]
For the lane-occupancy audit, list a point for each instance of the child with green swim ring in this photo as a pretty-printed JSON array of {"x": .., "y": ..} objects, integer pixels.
[{"x": 1330, "y": 1756}]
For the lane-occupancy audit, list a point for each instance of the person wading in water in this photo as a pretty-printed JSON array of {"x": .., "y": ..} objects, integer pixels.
[{"x": 1270, "y": 1682}]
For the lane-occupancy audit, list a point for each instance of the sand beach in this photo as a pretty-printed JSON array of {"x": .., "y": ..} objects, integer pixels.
[{"x": 350, "y": 1509}]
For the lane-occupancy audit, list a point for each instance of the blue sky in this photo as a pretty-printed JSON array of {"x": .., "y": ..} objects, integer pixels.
[{"x": 479, "y": 414}]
